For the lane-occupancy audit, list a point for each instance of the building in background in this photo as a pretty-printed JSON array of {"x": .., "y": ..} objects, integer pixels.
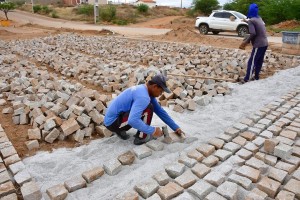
[{"x": 149, "y": 3}]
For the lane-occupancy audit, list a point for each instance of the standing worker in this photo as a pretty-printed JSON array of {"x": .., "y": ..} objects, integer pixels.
[
  {"x": 259, "y": 41},
  {"x": 134, "y": 108}
]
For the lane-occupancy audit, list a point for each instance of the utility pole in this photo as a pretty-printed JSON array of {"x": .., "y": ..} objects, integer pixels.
[
  {"x": 32, "y": 6},
  {"x": 96, "y": 11},
  {"x": 181, "y": 4}
]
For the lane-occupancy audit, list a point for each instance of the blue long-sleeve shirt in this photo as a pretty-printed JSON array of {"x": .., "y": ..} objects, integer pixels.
[{"x": 135, "y": 100}]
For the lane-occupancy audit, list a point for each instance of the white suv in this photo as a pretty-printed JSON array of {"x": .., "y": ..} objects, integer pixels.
[{"x": 223, "y": 20}]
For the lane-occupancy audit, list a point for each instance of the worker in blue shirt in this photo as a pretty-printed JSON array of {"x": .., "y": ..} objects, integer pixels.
[{"x": 134, "y": 108}]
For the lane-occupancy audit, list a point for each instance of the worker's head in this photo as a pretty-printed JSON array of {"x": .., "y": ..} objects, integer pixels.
[
  {"x": 157, "y": 85},
  {"x": 252, "y": 11}
]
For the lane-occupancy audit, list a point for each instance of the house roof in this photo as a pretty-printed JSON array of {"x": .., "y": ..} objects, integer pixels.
[{"x": 148, "y": 1}]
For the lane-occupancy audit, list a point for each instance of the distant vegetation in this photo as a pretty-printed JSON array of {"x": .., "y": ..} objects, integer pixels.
[
  {"x": 205, "y": 6},
  {"x": 6, "y": 7}
]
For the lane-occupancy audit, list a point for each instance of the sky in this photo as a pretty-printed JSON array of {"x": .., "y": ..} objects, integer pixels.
[{"x": 175, "y": 3}]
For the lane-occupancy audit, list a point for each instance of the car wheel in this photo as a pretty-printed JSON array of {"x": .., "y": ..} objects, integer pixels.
[
  {"x": 203, "y": 29},
  {"x": 242, "y": 31},
  {"x": 215, "y": 32}
]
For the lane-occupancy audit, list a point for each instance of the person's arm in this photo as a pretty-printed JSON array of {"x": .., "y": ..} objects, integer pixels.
[
  {"x": 135, "y": 115},
  {"x": 252, "y": 33},
  {"x": 163, "y": 115}
]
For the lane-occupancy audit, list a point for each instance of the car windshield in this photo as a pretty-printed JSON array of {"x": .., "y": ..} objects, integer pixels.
[{"x": 239, "y": 15}]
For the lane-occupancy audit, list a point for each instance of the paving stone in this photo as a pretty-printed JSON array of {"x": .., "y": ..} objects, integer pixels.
[
  {"x": 262, "y": 127},
  {"x": 228, "y": 190},
  {"x": 189, "y": 162},
  {"x": 49, "y": 124},
  {"x": 271, "y": 117},
  {"x": 236, "y": 160},
  {"x": 269, "y": 186},
  {"x": 31, "y": 191},
  {"x": 248, "y": 122},
  {"x": 270, "y": 144},
  {"x": 249, "y": 172},
  {"x": 11, "y": 159},
  {"x": 215, "y": 178},
  {"x": 259, "y": 141},
  {"x": 186, "y": 180},
  {"x": 248, "y": 135},
  {"x": 210, "y": 161},
  {"x": 239, "y": 140},
  {"x": 290, "y": 116},
  {"x": 53, "y": 135},
  {"x": 251, "y": 147},
  {"x": 93, "y": 174},
  {"x": 270, "y": 160},
  {"x": 57, "y": 192},
  {"x": 257, "y": 164},
  {"x": 296, "y": 174},
  {"x": 233, "y": 131},
  {"x": 232, "y": 147},
  {"x": 260, "y": 156},
  {"x": 244, "y": 153},
  {"x": 7, "y": 188},
  {"x": 155, "y": 145},
  {"x": 283, "y": 151},
  {"x": 4, "y": 177},
  {"x": 226, "y": 138},
  {"x": 112, "y": 167},
  {"x": 294, "y": 129},
  {"x": 222, "y": 154},
  {"x": 162, "y": 178},
  {"x": 175, "y": 170},
  {"x": 218, "y": 143},
  {"x": 103, "y": 131},
  {"x": 185, "y": 196},
  {"x": 75, "y": 183},
  {"x": 277, "y": 174},
  {"x": 206, "y": 149},
  {"x": 32, "y": 144},
  {"x": 170, "y": 191},
  {"x": 16, "y": 167},
  {"x": 288, "y": 134},
  {"x": 153, "y": 197},
  {"x": 131, "y": 195},
  {"x": 296, "y": 151},
  {"x": 8, "y": 151},
  {"x": 22, "y": 177},
  {"x": 70, "y": 126},
  {"x": 266, "y": 134},
  {"x": 255, "y": 118},
  {"x": 255, "y": 131},
  {"x": 266, "y": 122},
  {"x": 214, "y": 196},
  {"x": 142, "y": 152},
  {"x": 274, "y": 129},
  {"x": 240, "y": 180},
  {"x": 285, "y": 195},
  {"x": 147, "y": 188},
  {"x": 195, "y": 155},
  {"x": 200, "y": 170},
  {"x": 285, "y": 166},
  {"x": 126, "y": 158},
  {"x": 10, "y": 197},
  {"x": 256, "y": 194},
  {"x": 34, "y": 134},
  {"x": 293, "y": 186},
  {"x": 201, "y": 189}
]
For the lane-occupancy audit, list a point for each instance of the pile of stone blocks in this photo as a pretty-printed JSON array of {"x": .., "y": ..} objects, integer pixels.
[{"x": 13, "y": 173}]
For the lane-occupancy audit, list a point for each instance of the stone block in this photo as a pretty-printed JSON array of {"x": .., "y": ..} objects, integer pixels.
[
  {"x": 269, "y": 186},
  {"x": 293, "y": 186},
  {"x": 131, "y": 195},
  {"x": 249, "y": 172},
  {"x": 53, "y": 135},
  {"x": 274, "y": 129},
  {"x": 183, "y": 196},
  {"x": 266, "y": 134},
  {"x": 236, "y": 160},
  {"x": 70, "y": 126},
  {"x": 7, "y": 151},
  {"x": 22, "y": 177},
  {"x": 103, "y": 131},
  {"x": 93, "y": 174},
  {"x": 285, "y": 195},
  {"x": 112, "y": 167},
  {"x": 49, "y": 124},
  {"x": 10, "y": 197},
  {"x": 162, "y": 178},
  {"x": 57, "y": 192},
  {"x": 210, "y": 161},
  {"x": 296, "y": 174},
  {"x": 226, "y": 138},
  {"x": 175, "y": 170},
  {"x": 222, "y": 154},
  {"x": 186, "y": 180},
  {"x": 241, "y": 127},
  {"x": 259, "y": 141},
  {"x": 218, "y": 143},
  {"x": 195, "y": 155},
  {"x": 16, "y": 167},
  {"x": 6, "y": 189},
  {"x": 147, "y": 188},
  {"x": 256, "y": 194},
  {"x": 288, "y": 134},
  {"x": 257, "y": 164},
  {"x": 170, "y": 191},
  {"x": 84, "y": 120},
  {"x": 34, "y": 134},
  {"x": 215, "y": 178},
  {"x": 32, "y": 144},
  {"x": 126, "y": 158},
  {"x": 232, "y": 147},
  {"x": 31, "y": 191},
  {"x": 240, "y": 180},
  {"x": 251, "y": 147},
  {"x": 229, "y": 190},
  {"x": 270, "y": 160},
  {"x": 248, "y": 135},
  {"x": 75, "y": 183},
  {"x": 269, "y": 145},
  {"x": 285, "y": 140},
  {"x": 247, "y": 121},
  {"x": 277, "y": 174},
  {"x": 4, "y": 176},
  {"x": 11, "y": 159},
  {"x": 244, "y": 153},
  {"x": 206, "y": 149},
  {"x": 285, "y": 166},
  {"x": 153, "y": 197},
  {"x": 239, "y": 140},
  {"x": 79, "y": 135},
  {"x": 232, "y": 131},
  {"x": 201, "y": 189},
  {"x": 142, "y": 152},
  {"x": 283, "y": 151},
  {"x": 155, "y": 145},
  {"x": 189, "y": 162}
]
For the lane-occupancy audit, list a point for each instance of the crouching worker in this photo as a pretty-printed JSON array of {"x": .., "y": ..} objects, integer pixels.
[{"x": 134, "y": 108}]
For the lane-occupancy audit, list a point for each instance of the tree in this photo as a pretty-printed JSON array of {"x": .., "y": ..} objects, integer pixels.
[
  {"x": 206, "y": 6},
  {"x": 6, "y": 7}
]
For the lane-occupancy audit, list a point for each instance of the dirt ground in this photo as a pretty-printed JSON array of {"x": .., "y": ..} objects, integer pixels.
[{"x": 182, "y": 31}]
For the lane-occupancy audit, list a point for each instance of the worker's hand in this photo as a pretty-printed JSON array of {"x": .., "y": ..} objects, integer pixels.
[
  {"x": 179, "y": 131},
  {"x": 157, "y": 133},
  {"x": 243, "y": 45}
]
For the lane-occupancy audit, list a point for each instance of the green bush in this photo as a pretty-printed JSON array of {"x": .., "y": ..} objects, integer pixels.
[
  {"x": 120, "y": 22},
  {"x": 206, "y": 6},
  {"x": 54, "y": 14},
  {"x": 191, "y": 13},
  {"x": 6, "y": 7},
  {"x": 143, "y": 8},
  {"x": 108, "y": 13},
  {"x": 37, "y": 8},
  {"x": 46, "y": 9},
  {"x": 19, "y": 3},
  {"x": 86, "y": 9}
]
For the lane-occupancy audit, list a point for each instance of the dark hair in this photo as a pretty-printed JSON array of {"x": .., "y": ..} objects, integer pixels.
[{"x": 151, "y": 82}]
